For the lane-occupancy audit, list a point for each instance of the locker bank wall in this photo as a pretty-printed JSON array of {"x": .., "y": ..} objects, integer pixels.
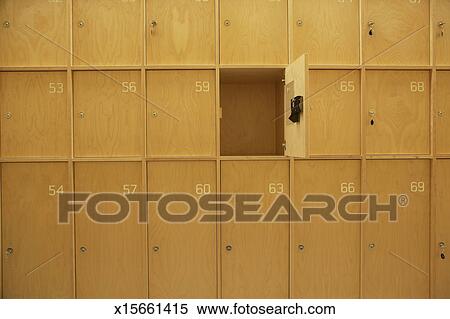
[{"x": 188, "y": 96}]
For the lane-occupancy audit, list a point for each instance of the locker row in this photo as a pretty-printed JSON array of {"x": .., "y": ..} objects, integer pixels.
[
  {"x": 316, "y": 259},
  {"x": 175, "y": 113},
  {"x": 177, "y": 32}
]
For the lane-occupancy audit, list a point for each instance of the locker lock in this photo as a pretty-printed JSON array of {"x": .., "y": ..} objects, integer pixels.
[
  {"x": 153, "y": 25},
  {"x": 371, "y": 28},
  {"x": 227, "y": 23},
  {"x": 441, "y": 25},
  {"x": 296, "y": 109},
  {"x": 440, "y": 113},
  {"x": 372, "y": 117},
  {"x": 299, "y": 22},
  {"x": 442, "y": 247},
  {"x": 82, "y": 115},
  {"x": 6, "y": 24},
  {"x": 229, "y": 248},
  {"x": 9, "y": 251},
  {"x": 301, "y": 247},
  {"x": 371, "y": 246},
  {"x": 81, "y": 24},
  {"x": 83, "y": 249},
  {"x": 8, "y": 115},
  {"x": 155, "y": 249},
  {"x": 154, "y": 114}
]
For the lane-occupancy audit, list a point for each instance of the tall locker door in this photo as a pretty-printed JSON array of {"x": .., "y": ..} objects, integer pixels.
[
  {"x": 181, "y": 113},
  {"x": 182, "y": 255},
  {"x": 253, "y": 32},
  {"x": 396, "y": 32},
  {"x": 396, "y": 253},
  {"x": 442, "y": 112},
  {"x": 398, "y": 118},
  {"x": 37, "y": 250},
  {"x": 326, "y": 254},
  {"x": 327, "y": 30},
  {"x": 441, "y": 28},
  {"x": 440, "y": 247},
  {"x": 110, "y": 257},
  {"x": 181, "y": 32},
  {"x": 255, "y": 255},
  {"x": 34, "y": 33}
]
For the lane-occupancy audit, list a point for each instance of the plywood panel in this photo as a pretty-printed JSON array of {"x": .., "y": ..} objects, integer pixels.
[
  {"x": 257, "y": 264},
  {"x": 401, "y": 32},
  {"x": 184, "y": 32},
  {"x": 398, "y": 103},
  {"x": 328, "y": 31},
  {"x": 107, "y": 32},
  {"x": 253, "y": 32},
  {"x": 328, "y": 266},
  {"x": 335, "y": 112},
  {"x": 397, "y": 265},
  {"x": 442, "y": 112},
  {"x": 34, "y": 33},
  {"x": 35, "y": 117},
  {"x": 39, "y": 263},
  {"x": 108, "y": 107},
  {"x": 441, "y": 31},
  {"x": 114, "y": 263},
  {"x": 184, "y": 264},
  {"x": 181, "y": 113}
]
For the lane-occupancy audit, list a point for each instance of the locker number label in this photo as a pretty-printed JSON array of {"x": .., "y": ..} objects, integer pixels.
[
  {"x": 56, "y": 88},
  {"x": 276, "y": 188},
  {"x": 201, "y": 189},
  {"x": 347, "y": 86},
  {"x": 417, "y": 86},
  {"x": 347, "y": 188},
  {"x": 129, "y": 87},
  {"x": 201, "y": 86},
  {"x": 55, "y": 189},
  {"x": 417, "y": 187},
  {"x": 129, "y": 188}
]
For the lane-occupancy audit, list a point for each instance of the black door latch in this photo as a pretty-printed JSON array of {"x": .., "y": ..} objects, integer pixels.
[{"x": 296, "y": 109}]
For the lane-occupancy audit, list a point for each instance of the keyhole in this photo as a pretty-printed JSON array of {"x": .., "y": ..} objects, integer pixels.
[
  {"x": 371, "y": 32},
  {"x": 442, "y": 256},
  {"x": 372, "y": 122}
]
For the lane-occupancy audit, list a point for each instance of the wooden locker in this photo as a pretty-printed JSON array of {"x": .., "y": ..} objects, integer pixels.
[
  {"x": 326, "y": 255},
  {"x": 181, "y": 113},
  {"x": 328, "y": 31},
  {"x": 442, "y": 112},
  {"x": 440, "y": 248},
  {"x": 34, "y": 33},
  {"x": 396, "y": 254},
  {"x": 107, "y": 32},
  {"x": 396, "y": 32},
  {"x": 181, "y": 32},
  {"x": 441, "y": 28},
  {"x": 35, "y": 117},
  {"x": 108, "y": 107},
  {"x": 182, "y": 256},
  {"x": 398, "y": 106},
  {"x": 255, "y": 256},
  {"x": 335, "y": 112},
  {"x": 38, "y": 253},
  {"x": 253, "y": 32},
  {"x": 110, "y": 258}
]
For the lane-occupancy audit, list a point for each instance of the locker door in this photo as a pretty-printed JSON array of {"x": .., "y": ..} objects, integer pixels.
[
  {"x": 396, "y": 254},
  {"x": 255, "y": 260},
  {"x": 37, "y": 251},
  {"x": 182, "y": 259},
  {"x": 398, "y": 119},
  {"x": 335, "y": 112},
  {"x": 441, "y": 28},
  {"x": 108, "y": 107},
  {"x": 108, "y": 32},
  {"x": 443, "y": 112},
  {"x": 440, "y": 248},
  {"x": 35, "y": 118},
  {"x": 181, "y": 113},
  {"x": 396, "y": 32},
  {"x": 110, "y": 258},
  {"x": 180, "y": 32},
  {"x": 326, "y": 255},
  {"x": 34, "y": 33},
  {"x": 253, "y": 32},
  {"x": 327, "y": 30}
]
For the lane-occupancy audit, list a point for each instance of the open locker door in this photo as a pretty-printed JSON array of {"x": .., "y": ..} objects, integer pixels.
[{"x": 295, "y": 112}]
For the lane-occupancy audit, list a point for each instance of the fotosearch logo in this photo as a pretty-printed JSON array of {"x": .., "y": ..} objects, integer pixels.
[{"x": 239, "y": 208}]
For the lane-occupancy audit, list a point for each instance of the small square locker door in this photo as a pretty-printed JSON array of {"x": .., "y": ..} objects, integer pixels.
[
  {"x": 181, "y": 113},
  {"x": 253, "y": 32},
  {"x": 441, "y": 29},
  {"x": 35, "y": 117},
  {"x": 182, "y": 256},
  {"x": 109, "y": 111},
  {"x": 326, "y": 255},
  {"x": 38, "y": 257},
  {"x": 442, "y": 112},
  {"x": 440, "y": 246},
  {"x": 396, "y": 32},
  {"x": 111, "y": 259},
  {"x": 396, "y": 253},
  {"x": 327, "y": 30},
  {"x": 34, "y": 33},
  {"x": 398, "y": 118},
  {"x": 255, "y": 255},
  {"x": 108, "y": 32},
  {"x": 335, "y": 112},
  {"x": 181, "y": 32}
]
